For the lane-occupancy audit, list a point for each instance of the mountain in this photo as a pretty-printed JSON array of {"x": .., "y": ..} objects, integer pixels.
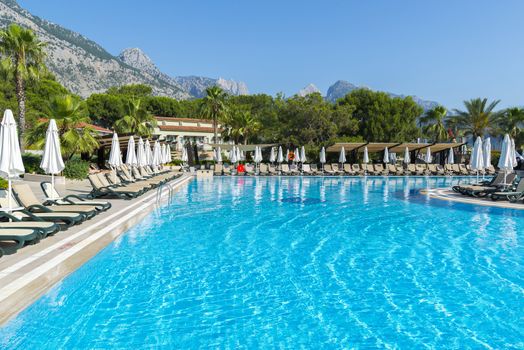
[
  {"x": 310, "y": 89},
  {"x": 193, "y": 85},
  {"x": 341, "y": 88},
  {"x": 85, "y": 67}
]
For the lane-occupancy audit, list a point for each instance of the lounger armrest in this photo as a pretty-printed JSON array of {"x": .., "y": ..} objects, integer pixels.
[
  {"x": 31, "y": 215},
  {"x": 6, "y": 215},
  {"x": 38, "y": 207},
  {"x": 50, "y": 201},
  {"x": 74, "y": 196}
]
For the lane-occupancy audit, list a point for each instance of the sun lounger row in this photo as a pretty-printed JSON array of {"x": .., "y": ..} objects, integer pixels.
[
  {"x": 129, "y": 183},
  {"x": 502, "y": 186},
  {"x": 352, "y": 169},
  {"x": 32, "y": 220}
]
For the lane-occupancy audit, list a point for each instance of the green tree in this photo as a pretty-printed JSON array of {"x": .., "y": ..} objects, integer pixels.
[
  {"x": 383, "y": 118},
  {"x": 24, "y": 57},
  {"x": 306, "y": 121},
  {"x": 347, "y": 125},
  {"x": 189, "y": 108},
  {"x": 433, "y": 123},
  {"x": 241, "y": 125},
  {"x": 162, "y": 106},
  {"x": 76, "y": 134},
  {"x": 512, "y": 121},
  {"x": 264, "y": 109},
  {"x": 106, "y": 109},
  {"x": 478, "y": 119},
  {"x": 131, "y": 90},
  {"x": 39, "y": 93},
  {"x": 137, "y": 120},
  {"x": 214, "y": 107}
]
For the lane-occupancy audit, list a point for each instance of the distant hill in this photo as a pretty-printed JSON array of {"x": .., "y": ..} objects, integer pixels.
[
  {"x": 193, "y": 85},
  {"x": 341, "y": 88},
  {"x": 85, "y": 67}
]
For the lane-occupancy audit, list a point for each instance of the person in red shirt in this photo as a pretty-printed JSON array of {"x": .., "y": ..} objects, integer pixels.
[{"x": 241, "y": 169}]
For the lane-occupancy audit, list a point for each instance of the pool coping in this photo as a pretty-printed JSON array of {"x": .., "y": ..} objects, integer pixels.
[
  {"x": 22, "y": 289},
  {"x": 446, "y": 194}
]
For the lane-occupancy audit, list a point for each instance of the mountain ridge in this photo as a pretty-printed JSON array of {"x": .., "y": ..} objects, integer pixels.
[
  {"x": 342, "y": 87},
  {"x": 85, "y": 67}
]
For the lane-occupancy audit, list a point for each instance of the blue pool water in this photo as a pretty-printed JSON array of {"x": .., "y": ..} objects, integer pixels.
[{"x": 295, "y": 263}]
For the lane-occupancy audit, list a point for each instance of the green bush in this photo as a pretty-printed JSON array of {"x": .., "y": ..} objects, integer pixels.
[
  {"x": 495, "y": 156},
  {"x": 176, "y": 162},
  {"x": 76, "y": 169},
  {"x": 32, "y": 163},
  {"x": 3, "y": 184}
]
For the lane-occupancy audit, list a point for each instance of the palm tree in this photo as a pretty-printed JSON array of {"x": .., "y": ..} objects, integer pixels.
[
  {"x": 24, "y": 58},
  {"x": 478, "y": 119},
  {"x": 512, "y": 121},
  {"x": 214, "y": 107},
  {"x": 76, "y": 134},
  {"x": 433, "y": 123},
  {"x": 241, "y": 125},
  {"x": 137, "y": 121}
]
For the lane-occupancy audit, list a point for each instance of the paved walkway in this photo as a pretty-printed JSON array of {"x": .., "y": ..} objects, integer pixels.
[{"x": 450, "y": 195}]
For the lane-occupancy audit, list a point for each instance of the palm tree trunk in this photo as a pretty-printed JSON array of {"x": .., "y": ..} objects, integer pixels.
[
  {"x": 20, "y": 96},
  {"x": 215, "y": 129}
]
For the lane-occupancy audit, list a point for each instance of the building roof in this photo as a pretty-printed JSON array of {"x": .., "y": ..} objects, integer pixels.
[
  {"x": 348, "y": 146},
  {"x": 187, "y": 128},
  {"x": 227, "y": 146},
  {"x": 392, "y": 146},
  {"x": 187, "y": 120},
  {"x": 123, "y": 139},
  {"x": 95, "y": 127},
  {"x": 359, "y": 146},
  {"x": 80, "y": 125}
]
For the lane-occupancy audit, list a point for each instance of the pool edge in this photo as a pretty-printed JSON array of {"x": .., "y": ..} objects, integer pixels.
[{"x": 17, "y": 295}]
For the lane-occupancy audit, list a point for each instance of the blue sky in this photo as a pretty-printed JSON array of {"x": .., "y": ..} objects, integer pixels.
[{"x": 446, "y": 51}]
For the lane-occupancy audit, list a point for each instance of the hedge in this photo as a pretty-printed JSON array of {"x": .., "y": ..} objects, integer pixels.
[{"x": 76, "y": 169}]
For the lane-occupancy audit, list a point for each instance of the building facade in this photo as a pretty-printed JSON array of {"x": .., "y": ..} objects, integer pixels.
[{"x": 178, "y": 131}]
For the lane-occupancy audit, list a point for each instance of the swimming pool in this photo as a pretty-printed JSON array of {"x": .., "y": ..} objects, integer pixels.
[{"x": 291, "y": 263}]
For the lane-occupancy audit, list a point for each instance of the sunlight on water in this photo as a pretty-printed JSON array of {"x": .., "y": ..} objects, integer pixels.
[{"x": 291, "y": 263}]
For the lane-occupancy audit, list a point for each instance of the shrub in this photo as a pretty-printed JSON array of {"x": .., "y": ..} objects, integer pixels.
[
  {"x": 32, "y": 163},
  {"x": 76, "y": 169},
  {"x": 176, "y": 162},
  {"x": 3, "y": 184},
  {"x": 495, "y": 156}
]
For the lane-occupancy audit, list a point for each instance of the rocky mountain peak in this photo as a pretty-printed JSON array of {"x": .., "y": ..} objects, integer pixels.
[
  {"x": 339, "y": 89},
  {"x": 232, "y": 86},
  {"x": 85, "y": 67},
  {"x": 137, "y": 58},
  {"x": 310, "y": 89}
]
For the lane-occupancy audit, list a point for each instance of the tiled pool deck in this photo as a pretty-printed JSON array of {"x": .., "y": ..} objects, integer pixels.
[{"x": 450, "y": 195}]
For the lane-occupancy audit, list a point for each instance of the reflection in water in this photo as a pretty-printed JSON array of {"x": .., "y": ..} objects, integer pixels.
[
  {"x": 509, "y": 238},
  {"x": 386, "y": 190},
  {"x": 481, "y": 220},
  {"x": 258, "y": 191},
  {"x": 322, "y": 191},
  {"x": 366, "y": 190}
]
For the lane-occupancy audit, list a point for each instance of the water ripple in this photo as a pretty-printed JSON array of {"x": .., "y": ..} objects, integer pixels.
[{"x": 231, "y": 263}]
